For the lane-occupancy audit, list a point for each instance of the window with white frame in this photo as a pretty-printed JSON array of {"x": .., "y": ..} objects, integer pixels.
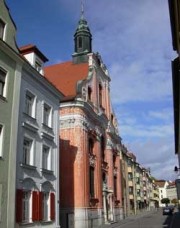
[
  {"x": 47, "y": 113},
  {"x": 2, "y": 28},
  {"x": 2, "y": 82},
  {"x": 27, "y": 151},
  {"x": 30, "y": 104},
  {"x": 38, "y": 66},
  {"x": 46, "y": 206},
  {"x": 46, "y": 157},
  {"x": 26, "y": 206},
  {"x": 1, "y": 140}
]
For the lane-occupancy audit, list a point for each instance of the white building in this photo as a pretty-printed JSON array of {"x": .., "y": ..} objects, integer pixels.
[
  {"x": 162, "y": 184},
  {"x": 37, "y": 182},
  {"x": 171, "y": 191}
]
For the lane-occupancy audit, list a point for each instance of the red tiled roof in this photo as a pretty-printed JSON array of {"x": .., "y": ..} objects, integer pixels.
[
  {"x": 66, "y": 75},
  {"x": 160, "y": 183}
]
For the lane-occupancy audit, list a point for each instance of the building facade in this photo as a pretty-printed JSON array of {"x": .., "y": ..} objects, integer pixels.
[
  {"x": 37, "y": 179},
  {"x": 162, "y": 185},
  {"x": 10, "y": 80},
  {"x": 174, "y": 12},
  {"x": 29, "y": 134},
  {"x": 89, "y": 139}
]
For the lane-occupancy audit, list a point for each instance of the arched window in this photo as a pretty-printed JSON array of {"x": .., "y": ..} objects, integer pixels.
[
  {"x": 25, "y": 202},
  {"x": 47, "y": 202}
]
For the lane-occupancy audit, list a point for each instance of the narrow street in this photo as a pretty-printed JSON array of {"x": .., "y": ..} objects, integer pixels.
[{"x": 151, "y": 220}]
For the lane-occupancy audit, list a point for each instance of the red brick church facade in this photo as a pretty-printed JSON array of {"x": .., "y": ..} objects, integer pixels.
[{"x": 90, "y": 172}]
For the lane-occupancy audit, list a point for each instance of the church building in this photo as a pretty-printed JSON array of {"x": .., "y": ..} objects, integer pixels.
[{"x": 90, "y": 172}]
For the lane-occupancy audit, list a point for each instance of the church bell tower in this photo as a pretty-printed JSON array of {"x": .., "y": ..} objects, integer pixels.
[{"x": 82, "y": 40}]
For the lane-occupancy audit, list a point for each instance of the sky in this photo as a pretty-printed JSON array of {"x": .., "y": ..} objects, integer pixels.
[{"x": 135, "y": 43}]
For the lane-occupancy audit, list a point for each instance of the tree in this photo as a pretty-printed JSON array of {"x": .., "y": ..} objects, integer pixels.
[
  {"x": 174, "y": 201},
  {"x": 165, "y": 201}
]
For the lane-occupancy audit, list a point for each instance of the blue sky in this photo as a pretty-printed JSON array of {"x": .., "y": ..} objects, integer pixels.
[{"x": 134, "y": 40}]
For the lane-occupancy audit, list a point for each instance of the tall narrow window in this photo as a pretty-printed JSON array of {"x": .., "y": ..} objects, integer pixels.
[
  {"x": 115, "y": 186},
  {"x": 1, "y": 140},
  {"x": 91, "y": 146},
  {"x": 30, "y": 104},
  {"x": 45, "y": 206},
  {"x": 47, "y": 115},
  {"x": 104, "y": 178},
  {"x": 89, "y": 94},
  {"x": 2, "y": 29},
  {"x": 27, "y": 150},
  {"x": 91, "y": 181},
  {"x": 80, "y": 42},
  {"x": 2, "y": 82},
  {"x": 102, "y": 148},
  {"x": 131, "y": 190},
  {"x": 26, "y": 212},
  {"x": 46, "y": 158},
  {"x": 100, "y": 95}
]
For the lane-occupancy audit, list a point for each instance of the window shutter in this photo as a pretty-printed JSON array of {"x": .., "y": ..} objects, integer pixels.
[
  {"x": 35, "y": 206},
  {"x": 40, "y": 206},
  {"x": 52, "y": 206},
  {"x": 19, "y": 197}
]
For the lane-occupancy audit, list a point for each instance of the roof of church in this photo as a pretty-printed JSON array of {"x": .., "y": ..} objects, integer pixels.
[{"x": 66, "y": 75}]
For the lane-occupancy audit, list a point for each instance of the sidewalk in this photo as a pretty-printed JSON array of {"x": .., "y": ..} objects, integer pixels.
[
  {"x": 128, "y": 219},
  {"x": 174, "y": 224}
]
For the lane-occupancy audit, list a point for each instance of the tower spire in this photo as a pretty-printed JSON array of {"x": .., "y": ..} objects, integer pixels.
[
  {"x": 82, "y": 39},
  {"x": 82, "y": 9}
]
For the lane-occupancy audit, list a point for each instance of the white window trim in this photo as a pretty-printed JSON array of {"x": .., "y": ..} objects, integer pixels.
[
  {"x": 5, "y": 28},
  {"x": 1, "y": 139},
  {"x": 47, "y": 218},
  {"x": 50, "y": 115},
  {"x": 31, "y": 159},
  {"x": 30, "y": 208},
  {"x": 31, "y": 94},
  {"x": 6, "y": 81},
  {"x": 49, "y": 161}
]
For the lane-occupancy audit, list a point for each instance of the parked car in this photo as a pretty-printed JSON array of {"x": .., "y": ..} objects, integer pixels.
[{"x": 167, "y": 210}]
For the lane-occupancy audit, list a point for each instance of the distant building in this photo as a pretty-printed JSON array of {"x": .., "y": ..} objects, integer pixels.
[
  {"x": 91, "y": 192},
  {"x": 171, "y": 191},
  {"x": 137, "y": 185},
  {"x": 162, "y": 185}
]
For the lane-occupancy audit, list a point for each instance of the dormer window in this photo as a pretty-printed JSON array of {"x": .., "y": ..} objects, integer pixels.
[
  {"x": 2, "y": 29},
  {"x": 38, "y": 66},
  {"x": 34, "y": 56}
]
